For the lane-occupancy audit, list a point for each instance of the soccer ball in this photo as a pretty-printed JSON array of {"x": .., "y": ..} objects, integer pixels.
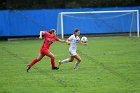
[{"x": 84, "y": 39}]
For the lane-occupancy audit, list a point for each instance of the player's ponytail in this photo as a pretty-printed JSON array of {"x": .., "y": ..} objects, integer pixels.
[{"x": 51, "y": 31}]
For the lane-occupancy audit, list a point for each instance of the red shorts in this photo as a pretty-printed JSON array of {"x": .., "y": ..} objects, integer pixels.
[{"x": 44, "y": 51}]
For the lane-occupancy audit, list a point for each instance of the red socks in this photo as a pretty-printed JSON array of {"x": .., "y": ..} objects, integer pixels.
[
  {"x": 36, "y": 60},
  {"x": 33, "y": 62},
  {"x": 52, "y": 62}
]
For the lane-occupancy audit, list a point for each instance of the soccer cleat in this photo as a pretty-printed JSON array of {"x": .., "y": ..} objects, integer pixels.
[
  {"x": 55, "y": 68},
  {"x": 28, "y": 67}
]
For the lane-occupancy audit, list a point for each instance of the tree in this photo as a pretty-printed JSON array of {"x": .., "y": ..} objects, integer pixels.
[
  {"x": 53, "y": 4},
  {"x": 72, "y": 5}
]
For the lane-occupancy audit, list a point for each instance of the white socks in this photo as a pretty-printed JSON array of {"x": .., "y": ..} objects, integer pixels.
[
  {"x": 76, "y": 65},
  {"x": 65, "y": 61}
]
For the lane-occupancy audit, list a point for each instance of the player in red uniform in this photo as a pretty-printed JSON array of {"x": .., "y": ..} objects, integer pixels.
[{"x": 50, "y": 37}]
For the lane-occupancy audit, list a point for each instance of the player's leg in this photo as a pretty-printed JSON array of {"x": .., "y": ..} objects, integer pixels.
[
  {"x": 49, "y": 54},
  {"x": 52, "y": 59},
  {"x": 65, "y": 61},
  {"x": 40, "y": 56},
  {"x": 77, "y": 57},
  {"x": 78, "y": 61},
  {"x": 72, "y": 53}
]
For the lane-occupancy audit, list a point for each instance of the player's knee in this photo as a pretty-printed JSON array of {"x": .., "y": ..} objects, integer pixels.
[
  {"x": 79, "y": 60},
  {"x": 52, "y": 56},
  {"x": 38, "y": 59},
  {"x": 70, "y": 60}
]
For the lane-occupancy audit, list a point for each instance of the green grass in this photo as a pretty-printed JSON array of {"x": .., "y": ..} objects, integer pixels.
[{"x": 109, "y": 65}]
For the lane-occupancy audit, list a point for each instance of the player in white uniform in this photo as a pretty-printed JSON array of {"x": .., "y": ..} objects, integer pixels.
[{"x": 73, "y": 40}]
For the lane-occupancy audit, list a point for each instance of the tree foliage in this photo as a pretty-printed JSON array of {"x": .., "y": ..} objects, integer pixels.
[{"x": 53, "y": 4}]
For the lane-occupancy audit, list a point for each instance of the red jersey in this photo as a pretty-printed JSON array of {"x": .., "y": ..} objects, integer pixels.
[{"x": 49, "y": 39}]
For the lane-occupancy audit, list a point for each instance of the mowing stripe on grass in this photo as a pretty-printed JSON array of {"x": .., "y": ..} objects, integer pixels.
[
  {"x": 57, "y": 79},
  {"x": 106, "y": 68}
]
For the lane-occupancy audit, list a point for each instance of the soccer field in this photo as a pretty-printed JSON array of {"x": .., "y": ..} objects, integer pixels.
[{"x": 109, "y": 65}]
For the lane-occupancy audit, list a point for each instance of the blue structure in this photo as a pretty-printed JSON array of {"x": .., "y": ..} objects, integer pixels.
[{"x": 30, "y": 22}]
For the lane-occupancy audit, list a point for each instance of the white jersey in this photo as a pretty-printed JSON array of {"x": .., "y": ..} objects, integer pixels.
[{"x": 73, "y": 42}]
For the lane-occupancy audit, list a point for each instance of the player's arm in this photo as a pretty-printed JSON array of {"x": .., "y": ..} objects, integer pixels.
[
  {"x": 62, "y": 41},
  {"x": 79, "y": 41},
  {"x": 43, "y": 33},
  {"x": 40, "y": 34},
  {"x": 68, "y": 41}
]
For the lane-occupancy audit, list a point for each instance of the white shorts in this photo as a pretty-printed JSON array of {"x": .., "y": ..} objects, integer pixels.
[{"x": 72, "y": 52}]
